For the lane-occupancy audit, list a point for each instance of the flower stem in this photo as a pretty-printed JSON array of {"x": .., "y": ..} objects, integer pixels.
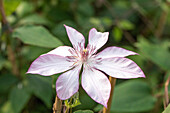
[
  {"x": 166, "y": 97},
  {"x": 113, "y": 82},
  {"x": 7, "y": 30},
  {"x": 57, "y": 106}
]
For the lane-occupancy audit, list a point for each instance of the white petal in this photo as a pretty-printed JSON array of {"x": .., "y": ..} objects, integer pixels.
[
  {"x": 76, "y": 38},
  {"x": 67, "y": 84},
  {"x": 96, "y": 84},
  {"x": 114, "y": 52},
  {"x": 50, "y": 64},
  {"x": 62, "y": 51},
  {"x": 97, "y": 39},
  {"x": 119, "y": 67}
]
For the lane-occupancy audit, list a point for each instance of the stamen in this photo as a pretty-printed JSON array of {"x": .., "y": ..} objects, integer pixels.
[{"x": 85, "y": 50}]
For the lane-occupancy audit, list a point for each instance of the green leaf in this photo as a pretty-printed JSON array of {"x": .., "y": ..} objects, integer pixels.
[
  {"x": 82, "y": 9},
  {"x": 2, "y": 62},
  {"x": 132, "y": 96},
  {"x": 34, "y": 19},
  {"x": 98, "y": 108},
  {"x": 24, "y": 8},
  {"x": 36, "y": 35},
  {"x": 84, "y": 111},
  {"x": 7, "y": 81},
  {"x": 18, "y": 98},
  {"x": 167, "y": 110},
  {"x": 41, "y": 87},
  {"x": 126, "y": 25},
  {"x": 86, "y": 101},
  {"x": 60, "y": 31},
  {"x": 10, "y": 6},
  {"x": 73, "y": 101},
  {"x": 7, "y": 108},
  {"x": 117, "y": 34},
  {"x": 32, "y": 52},
  {"x": 157, "y": 53}
]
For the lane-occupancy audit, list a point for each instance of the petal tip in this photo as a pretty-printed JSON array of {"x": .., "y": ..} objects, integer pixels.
[
  {"x": 93, "y": 29},
  {"x": 64, "y": 25}
]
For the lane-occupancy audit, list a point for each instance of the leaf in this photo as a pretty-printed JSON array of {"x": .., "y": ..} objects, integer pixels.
[
  {"x": 18, "y": 98},
  {"x": 126, "y": 25},
  {"x": 167, "y": 110},
  {"x": 32, "y": 52},
  {"x": 86, "y": 101},
  {"x": 83, "y": 111},
  {"x": 132, "y": 96},
  {"x": 7, "y": 108},
  {"x": 73, "y": 101},
  {"x": 24, "y": 8},
  {"x": 2, "y": 62},
  {"x": 10, "y": 6},
  {"x": 36, "y": 35},
  {"x": 82, "y": 9},
  {"x": 98, "y": 108},
  {"x": 157, "y": 53},
  {"x": 34, "y": 19},
  {"x": 6, "y": 81},
  {"x": 60, "y": 31},
  {"x": 117, "y": 34},
  {"x": 41, "y": 87}
]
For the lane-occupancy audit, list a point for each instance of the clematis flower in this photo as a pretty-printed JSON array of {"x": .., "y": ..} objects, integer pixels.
[{"x": 93, "y": 80}]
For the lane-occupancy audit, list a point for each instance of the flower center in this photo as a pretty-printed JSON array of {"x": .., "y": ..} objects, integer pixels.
[{"x": 84, "y": 55}]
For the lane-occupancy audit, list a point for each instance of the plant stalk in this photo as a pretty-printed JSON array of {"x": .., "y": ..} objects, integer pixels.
[
  {"x": 8, "y": 30},
  {"x": 112, "y": 82},
  {"x": 57, "y": 106},
  {"x": 166, "y": 96}
]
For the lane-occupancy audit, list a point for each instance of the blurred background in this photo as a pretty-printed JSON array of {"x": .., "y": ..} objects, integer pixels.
[{"x": 34, "y": 27}]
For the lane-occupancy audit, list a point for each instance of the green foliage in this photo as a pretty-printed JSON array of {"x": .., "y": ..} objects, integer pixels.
[
  {"x": 157, "y": 53},
  {"x": 132, "y": 96},
  {"x": 10, "y": 6},
  {"x": 36, "y": 35},
  {"x": 84, "y": 111},
  {"x": 19, "y": 98},
  {"x": 98, "y": 108},
  {"x": 6, "y": 82},
  {"x": 24, "y": 8},
  {"x": 117, "y": 34},
  {"x": 126, "y": 25},
  {"x": 73, "y": 101},
  {"x": 40, "y": 87},
  {"x": 86, "y": 101},
  {"x": 38, "y": 28},
  {"x": 6, "y": 108},
  {"x": 2, "y": 62},
  {"x": 35, "y": 19},
  {"x": 167, "y": 110}
]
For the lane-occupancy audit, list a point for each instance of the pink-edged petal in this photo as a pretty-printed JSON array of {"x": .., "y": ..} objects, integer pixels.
[
  {"x": 62, "y": 51},
  {"x": 50, "y": 64},
  {"x": 119, "y": 67},
  {"x": 67, "y": 84},
  {"x": 97, "y": 39},
  {"x": 114, "y": 52},
  {"x": 76, "y": 38},
  {"x": 96, "y": 84}
]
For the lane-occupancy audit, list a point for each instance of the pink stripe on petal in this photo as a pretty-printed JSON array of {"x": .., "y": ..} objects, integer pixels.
[
  {"x": 62, "y": 51},
  {"x": 119, "y": 67},
  {"x": 96, "y": 84},
  {"x": 114, "y": 52},
  {"x": 76, "y": 38},
  {"x": 67, "y": 84},
  {"x": 50, "y": 64},
  {"x": 97, "y": 39}
]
